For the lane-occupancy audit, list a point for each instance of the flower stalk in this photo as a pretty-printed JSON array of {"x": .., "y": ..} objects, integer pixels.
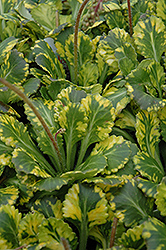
[
  {"x": 113, "y": 232},
  {"x": 130, "y": 18}
]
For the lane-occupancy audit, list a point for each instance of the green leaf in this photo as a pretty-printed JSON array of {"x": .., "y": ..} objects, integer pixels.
[
  {"x": 14, "y": 69},
  {"x": 52, "y": 230},
  {"x": 148, "y": 167},
  {"x": 84, "y": 204},
  {"x": 46, "y": 59},
  {"x": 28, "y": 228},
  {"x": 116, "y": 150},
  {"x": 49, "y": 206},
  {"x": 133, "y": 238},
  {"x": 149, "y": 36},
  {"x": 154, "y": 233},
  {"x": 161, "y": 197},
  {"x": 45, "y": 15},
  {"x": 100, "y": 115},
  {"x": 130, "y": 204},
  {"x": 8, "y": 195},
  {"x": 6, "y": 46},
  {"x": 9, "y": 222}
]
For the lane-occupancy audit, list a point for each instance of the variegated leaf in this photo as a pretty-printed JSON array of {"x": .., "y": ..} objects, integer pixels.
[
  {"x": 161, "y": 197},
  {"x": 147, "y": 187},
  {"x": 157, "y": 78},
  {"x": 28, "y": 228},
  {"x": 115, "y": 19},
  {"x": 107, "y": 63},
  {"x": 9, "y": 222},
  {"x": 126, "y": 120},
  {"x": 31, "y": 86},
  {"x": 85, "y": 206},
  {"x": 8, "y": 195},
  {"x": 56, "y": 86},
  {"x": 117, "y": 38},
  {"x": 70, "y": 94},
  {"x": 93, "y": 165},
  {"x": 49, "y": 206},
  {"x": 5, "y": 154},
  {"x": 46, "y": 59},
  {"x": 118, "y": 97},
  {"x": 51, "y": 184},
  {"x": 74, "y": 122},
  {"x": 45, "y": 15},
  {"x": 88, "y": 74},
  {"x": 6, "y": 46},
  {"x": 147, "y": 132},
  {"x": 162, "y": 117},
  {"x": 53, "y": 230},
  {"x": 116, "y": 150},
  {"x": 15, "y": 134},
  {"x": 85, "y": 49},
  {"x": 133, "y": 237},
  {"x": 130, "y": 204},
  {"x": 100, "y": 115},
  {"x": 149, "y": 36},
  {"x": 154, "y": 233},
  {"x": 148, "y": 167},
  {"x": 47, "y": 147},
  {"x": 26, "y": 163},
  {"x": 14, "y": 69},
  {"x": 144, "y": 100},
  {"x": 140, "y": 11},
  {"x": 85, "y": 52},
  {"x": 46, "y": 110},
  {"x": 127, "y": 58},
  {"x": 161, "y": 6}
]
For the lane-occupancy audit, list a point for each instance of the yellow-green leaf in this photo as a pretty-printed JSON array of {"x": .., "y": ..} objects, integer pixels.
[{"x": 149, "y": 36}]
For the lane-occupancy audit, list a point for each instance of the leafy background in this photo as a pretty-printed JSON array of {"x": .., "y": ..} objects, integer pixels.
[{"x": 106, "y": 187}]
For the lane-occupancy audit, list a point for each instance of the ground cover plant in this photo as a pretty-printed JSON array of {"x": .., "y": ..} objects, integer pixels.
[{"x": 82, "y": 124}]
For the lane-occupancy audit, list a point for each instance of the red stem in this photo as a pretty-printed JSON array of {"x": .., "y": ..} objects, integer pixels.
[
  {"x": 113, "y": 232},
  {"x": 130, "y": 18}
]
